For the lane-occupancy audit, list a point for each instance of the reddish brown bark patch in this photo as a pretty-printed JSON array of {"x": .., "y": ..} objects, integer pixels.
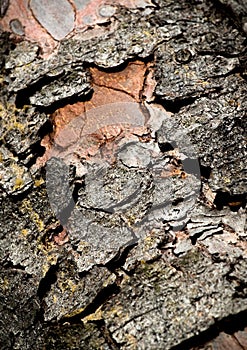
[
  {"x": 64, "y": 115},
  {"x": 33, "y": 31},
  {"x": 130, "y": 80},
  {"x": 89, "y": 14},
  {"x": 123, "y": 86},
  {"x": 39, "y": 22}
]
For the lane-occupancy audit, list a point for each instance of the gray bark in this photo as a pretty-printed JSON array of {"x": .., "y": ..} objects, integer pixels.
[{"x": 155, "y": 279}]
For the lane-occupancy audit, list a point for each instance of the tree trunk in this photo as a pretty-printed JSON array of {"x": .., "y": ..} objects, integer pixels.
[{"x": 123, "y": 174}]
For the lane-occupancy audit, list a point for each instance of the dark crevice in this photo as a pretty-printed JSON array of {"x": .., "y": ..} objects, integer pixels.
[
  {"x": 120, "y": 259},
  {"x": 83, "y": 274},
  {"x": 167, "y": 146},
  {"x": 9, "y": 147},
  {"x": 205, "y": 171},
  {"x": 105, "y": 24},
  {"x": 116, "y": 69},
  {"x": 98, "y": 210},
  {"x": 174, "y": 106},
  {"x": 243, "y": 63},
  {"x": 3, "y": 7},
  {"x": 148, "y": 70},
  {"x": 177, "y": 201},
  {"x": 64, "y": 102},
  {"x": 239, "y": 344},
  {"x": 103, "y": 295},
  {"x": 77, "y": 187},
  {"x": 195, "y": 237},
  {"x": 229, "y": 325},
  {"x": 122, "y": 66},
  {"x": 10, "y": 265},
  {"x": 47, "y": 281},
  {"x": 234, "y": 202},
  {"x": 45, "y": 129},
  {"x": 19, "y": 196},
  {"x": 22, "y": 96},
  {"x": 218, "y": 53},
  {"x": 64, "y": 215},
  {"x": 37, "y": 151},
  {"x": 167, "y": 238}
]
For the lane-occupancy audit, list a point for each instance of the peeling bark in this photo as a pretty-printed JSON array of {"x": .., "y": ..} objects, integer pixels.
[{"x": 123, "y": 174}]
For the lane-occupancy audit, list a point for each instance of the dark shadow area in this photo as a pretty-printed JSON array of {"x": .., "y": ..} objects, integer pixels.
[
  {"x": 64, "y": 102},
  {"x": 205, "y": 171},
  {"x": 47, "y": 281},
  {"x": 175, "y": 105},
  {"x": 167, "y": 146},
  {"x": 103, "y": 295},
  {"x": 120, "y": 259},
  {"x": 124, "y": 65},
  {"x": 234, "y": 202},
  {"x": 10, "y": 265},
  {"x": 37, "y": 151},
  {"x": 22, "y": 97}
]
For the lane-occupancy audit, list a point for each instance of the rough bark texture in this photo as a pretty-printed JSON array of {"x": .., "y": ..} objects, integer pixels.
[{"x": 145, "y": 102}]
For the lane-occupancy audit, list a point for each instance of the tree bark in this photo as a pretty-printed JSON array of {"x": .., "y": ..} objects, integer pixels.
[{"x": 123, "y": 174}]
